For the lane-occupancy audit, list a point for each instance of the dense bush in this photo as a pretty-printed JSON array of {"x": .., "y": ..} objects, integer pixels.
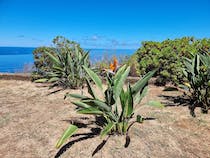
[
  {"x": 61, "y": 65},
  {"x": 41, "y": 59},
  {"x": 197, "y": 72},
  {"x": 167, "y": 56},
  {"x": 132, "y": 62}
]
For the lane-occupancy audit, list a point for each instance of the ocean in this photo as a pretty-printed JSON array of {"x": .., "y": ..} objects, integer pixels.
[{"x": 20, "y": 59}]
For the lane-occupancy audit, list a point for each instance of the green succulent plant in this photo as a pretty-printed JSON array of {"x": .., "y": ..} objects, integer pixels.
[
  {"x": 67, "y": 67},
  {"x": 117, "y": 105},
  {"x": 197, "y": 72}
]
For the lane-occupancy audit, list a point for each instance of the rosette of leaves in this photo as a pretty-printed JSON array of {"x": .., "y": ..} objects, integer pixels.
[
  {"x": 67, "y": 67},
  {"x": 117, "y": 106},
  {"x": 197, "y": 72}
]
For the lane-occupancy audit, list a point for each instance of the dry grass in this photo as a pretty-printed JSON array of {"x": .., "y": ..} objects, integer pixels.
[{"x": 32, "y": 120}]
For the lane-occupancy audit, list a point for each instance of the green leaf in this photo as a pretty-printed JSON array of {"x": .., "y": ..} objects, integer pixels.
[
  {"x": 67, "y": 134},
  {"x": 94, "y": 77},
  {"x": 118, "y": 86},
  {"x": 156, "y": 104},
  {"x": 123, "y": 98},
  {"x": 53, "y": 79},
  {"x": 91, "y": 111},
  {"x": 112, "y": 116},
  {"x": 128, "y": 109},
  {"x": 81, "y": 104},
  {"x": 138, "y": 86},
  {"x": 84, "y": 57},
  {"x": 78, "y": 96},
  {"x": 205, "y": 59},
  {"x": 42, "y": 80},
  {"x": 189, "y": 66},
  {"x": 52, "y": 74},
  {"x": 197, "y": 64},
  {"x": 69, "y": 60},
  {"x": 108, "y": 94},
  {"x": 53, "y": 59},
  {"x": 187, "y": 59},
  {"x": 120, "y": 71},
  {"x": 57, "y": 68},
  {"x": 107, "y": 129},
  {"x": 90, "y": 89},
  {"x": 102, "y": 105},
  {"x": 138, "y": 98}
]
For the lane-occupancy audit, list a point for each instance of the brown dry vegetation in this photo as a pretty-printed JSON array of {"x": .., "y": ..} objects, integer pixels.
[{"x": 32, "y": 119}]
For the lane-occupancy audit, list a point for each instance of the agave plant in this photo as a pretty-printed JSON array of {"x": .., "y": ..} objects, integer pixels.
[
  {"x": 117, "y": 105},
  {"x": 197, "y": 71},
  {"x": 67, "y": 70}
]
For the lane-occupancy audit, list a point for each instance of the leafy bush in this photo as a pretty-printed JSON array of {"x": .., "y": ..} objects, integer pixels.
[
  {"x": 42, "y": 62},
  {"x": 63, "y": 66},
  {"x": 167, "y": 56},
  {"x": 117, "y": 106},
  {"x": 132, "y": 62},
  {"x": 41, "y": 59},
  {"x": 197, "y": 71}
]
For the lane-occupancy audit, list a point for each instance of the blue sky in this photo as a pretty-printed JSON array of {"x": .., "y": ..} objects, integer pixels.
[{"x": 101, "y": 23}]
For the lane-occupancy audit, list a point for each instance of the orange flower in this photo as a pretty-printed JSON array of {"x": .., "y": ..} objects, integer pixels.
[{"x": 113, "y": 66}]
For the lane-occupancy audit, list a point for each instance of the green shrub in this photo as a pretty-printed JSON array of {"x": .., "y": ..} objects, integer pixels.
[
  {"x": 41, "y": 59},
  {"x": 167, "y": 56},
  {"x": 117, "y": 106},
  {"x": 42, "y": 63},
  {"x": 197, "y": 72},
  {"x": 64, "y": 65},
  {"x": 132, "y": 62}
]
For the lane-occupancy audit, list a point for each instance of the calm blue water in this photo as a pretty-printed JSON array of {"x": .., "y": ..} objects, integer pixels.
[{"x": 20, "y": 59}]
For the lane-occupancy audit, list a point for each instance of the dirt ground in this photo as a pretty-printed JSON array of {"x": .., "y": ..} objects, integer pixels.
[{"x": 32, "y": 119}]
